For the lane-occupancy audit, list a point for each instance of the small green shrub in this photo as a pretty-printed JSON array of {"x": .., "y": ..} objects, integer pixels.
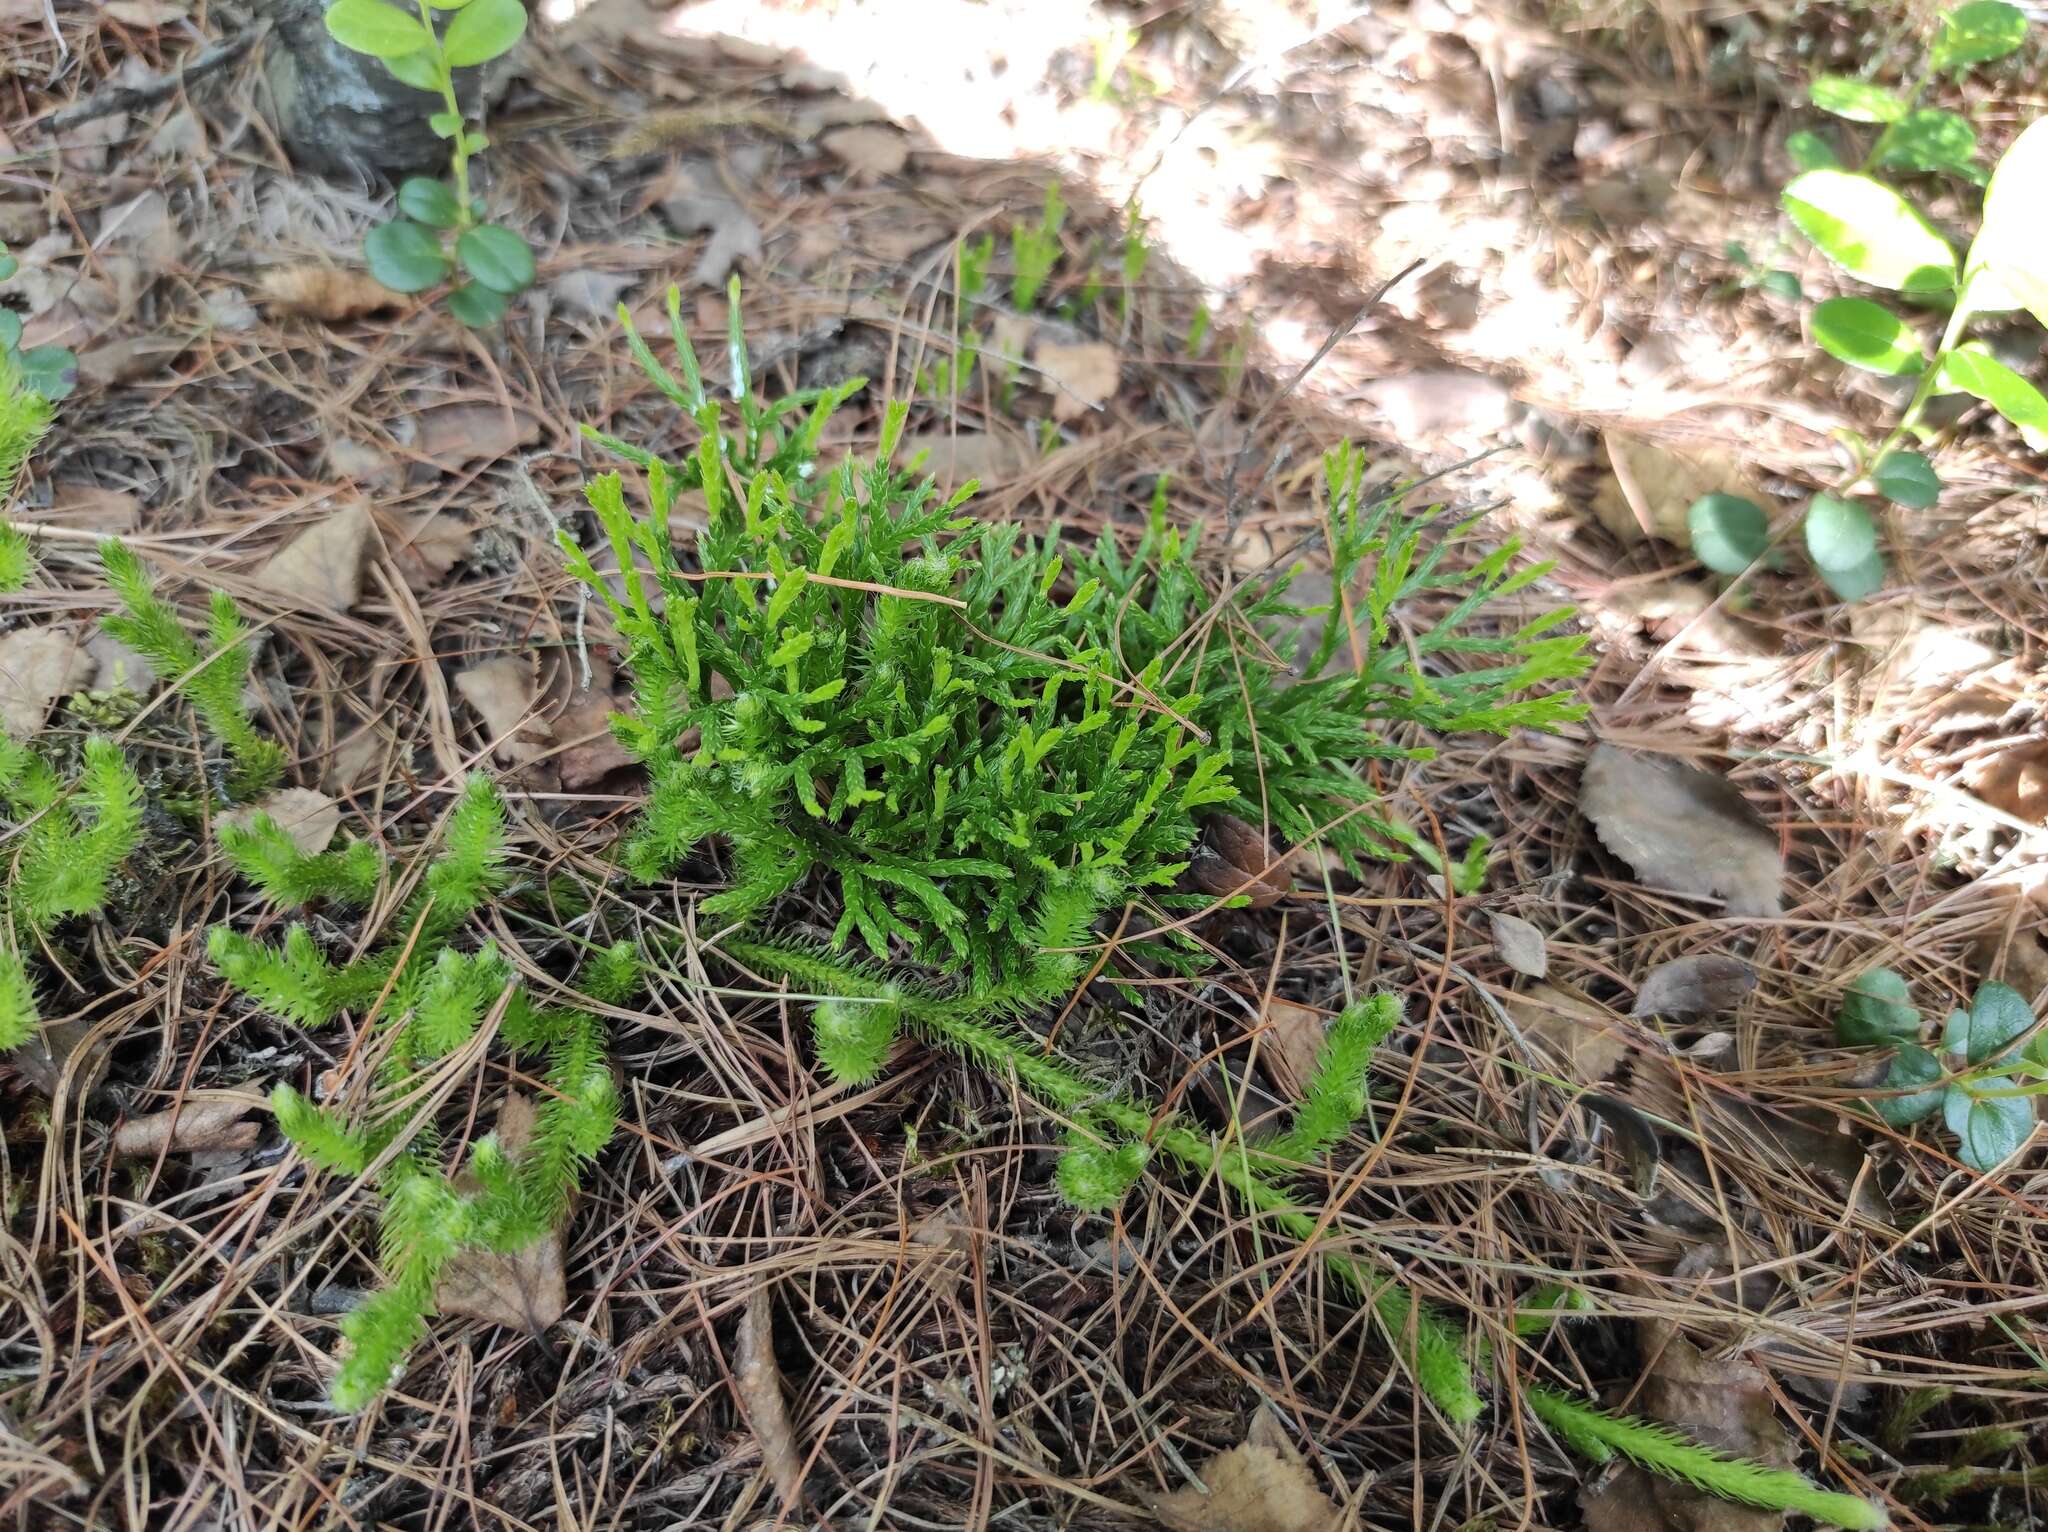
[
  {"x": 1975, "y": 1082},
  {"x": 411, "y": 253},
  {"x": 1875, "y": 233}
]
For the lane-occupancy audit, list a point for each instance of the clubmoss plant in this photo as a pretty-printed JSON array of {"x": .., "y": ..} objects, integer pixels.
[{"x": 427, "y": 997}]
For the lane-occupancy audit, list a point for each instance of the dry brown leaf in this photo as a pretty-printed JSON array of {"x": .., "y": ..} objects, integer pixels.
[
  {"x": 993, "y": 457},
  {"x": 900, "y": 238},
  {"x": 1520, "y": 945},
  {"x": 1260, "y": 1486},
  {"x": 455, "y": 435},
  {"x": 116, "y": 667},
  {"x": 949, "y": 1238},
  {"x": 427, "y": 545},
  {"x": 37, "y": 666},
  {"x": 1653, "y": 487},
  {"x": 369, "y": 466},
  {"x": 110, "y": 512},
  {"x": 204, "y": 1120},
  {"x": 143, "y": 227},
  {"x": 503, "y": 691},
  {"x": 1081, "y": 377},
  {"x": 867, "y": 150},
  {"x": 700, "y": 205},
  {"x": 1705, "y": 984},
  {"x": 124, "y": 361},
  {"x": 309, "y": 818},
  {"x": 325, "y": 292},
  {"x": 1294, "y": 1038},
  {"x": 526, "y": 1288},
  {"x": 2014, "y": 781},
  {"x": 591, "y": 751},
  {"x": 1234, "y": 858},
  {"x": 1682, "y": 829},
  {"x": 759, "y": 1383},
  {"x": 1592, "y": 1040},
  {"x": 323, "y": 565}
]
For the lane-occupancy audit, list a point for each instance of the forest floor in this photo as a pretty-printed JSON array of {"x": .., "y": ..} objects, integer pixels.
[{"x": 1444, "y": 229}]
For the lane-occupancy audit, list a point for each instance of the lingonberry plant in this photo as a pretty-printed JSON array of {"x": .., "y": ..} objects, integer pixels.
[
  {"x": 47, "y": 372},
  {"x": 1983, "y": 1081},
  {"x": 1875, "y": 233},
  {"x": 411, "y": 253}
]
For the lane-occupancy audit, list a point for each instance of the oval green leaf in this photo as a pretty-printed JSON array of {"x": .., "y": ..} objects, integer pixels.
[
  {"x": 1857, "y": 100},
  {"x": 496, "y": 257},
  {"x": 1911, "y": 1066},
  {"x": 1988, "y": 1130},
  {"x": 1839, "y": 533},
  {"x": 1865, "y": 578},
  {"x": 1980, "y": 373},
  {"x": 372, "y": 27},
  {"x": 1877, "y": 1011},
  {"x": 1908, "y": 479},
  {"x": 405, "y": 256},
  {"x": 2013, "y": 242},
  {"x": 476, "y": 305},
  {"x": 427, "y": 201},
  {"x": 421, "y": 70},
  {"x": 10, "y": 330},
  {"x": 1809, "y": 151},
  {"x": 1728, "y": 532},
  {"x": 1870, "y": 231},
  {"x": 8, "y": 265},
  {"x": 1998, "y": 1014},
  {"x": 1867, "y": 335},
  {"x": 1978, "y": 32},
  {"x": 51, "y": 371},
  {"x": 482, "y": 30},
  {"x": 1931, "y": 140}
]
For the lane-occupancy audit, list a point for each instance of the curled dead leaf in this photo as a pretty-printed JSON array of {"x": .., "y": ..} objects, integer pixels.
[
  {"x": 1706, "y": 984},
  {"x": 504, "y": 692},
  {"x": 323, "y": 565},
  {"x": 1591, "y": 1038},
  {"x": 37, "y": 666},
  {"x": 1682, "y": 829},
  {"x": 1081, "y": 377},
  {"x": 868, "y": 150},
  {"x": 206, "y": 1121},
  {"x": 1262, "y": 1485},
  {"x": 455, "y": 435},
  {"x": 1520, "y": 945},
  {"x": 1232, "y": 857},
  {"x": 308, "y": 817},
  {"x": 759, "y": 1382},
  {"x": 325, "y": 292}
]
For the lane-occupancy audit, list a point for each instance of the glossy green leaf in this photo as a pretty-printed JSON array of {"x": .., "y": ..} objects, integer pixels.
[
  {"x": 1857, "y": 100},
  {"x": 10, "y": 330},
  {"x": 1988, "y": 1130},
  {"x": 1998, "y": 1013},
  {"x": 482, "y": 30},
  {"x": 1728, "y": 532},
  {"x": 476, "y": 305},
  {"x": 51, "y": 371},
  {"x": 1810, "y": 151},
  {"x": 496, "y": 257},
  {"x": 1839, "y": 533},
  {"x": 1930, "y": 140},
  {"x": 1782, "y": 284},
  {"x": 1908, "y": 479},
  {"x": 1877, "y": 1011},
  {"x": 405, "y": 256},
  {"x": 1870, "y": 231},
  {"x": 421, "y": 70},
  {"x": 1863, "y": 578},
  {"x": 476, "y": 143},
  {"x": 427, "y": 201},
  {"x": 380, "y": 30},
  {"x": 1911, "y": 1066},
  {"x": 1976, "y": 33},
  {"x": 1867, "y": 335},
  {"x": 445, "y": 124},
  {"x": 1982, "y": 374},
  {"x": 2013, "y": 241},
  {"x": 8, "y": 265}
]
